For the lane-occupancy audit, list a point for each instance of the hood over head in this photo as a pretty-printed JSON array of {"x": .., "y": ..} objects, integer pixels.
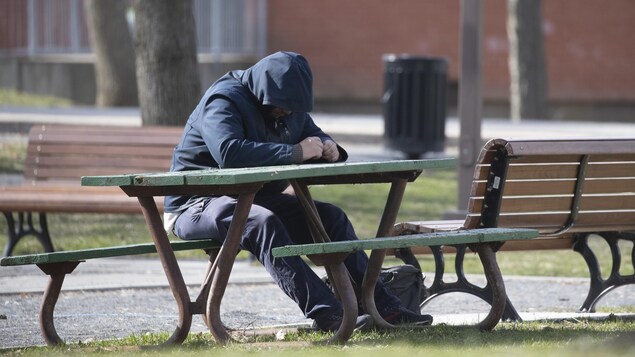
[{"x": 283, "y": 79}]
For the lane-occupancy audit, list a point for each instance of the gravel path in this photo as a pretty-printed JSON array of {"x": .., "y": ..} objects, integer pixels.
[{"x": 90, "y": 308}]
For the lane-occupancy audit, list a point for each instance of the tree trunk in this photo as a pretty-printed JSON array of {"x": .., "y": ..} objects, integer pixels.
[
  {"x": 528, "y": 74},
  {"x": 167, "y": 67},
  {"x": 112, "y": 43}
]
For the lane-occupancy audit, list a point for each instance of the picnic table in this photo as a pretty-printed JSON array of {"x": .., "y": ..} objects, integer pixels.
[{"x": 245, "y": 183}]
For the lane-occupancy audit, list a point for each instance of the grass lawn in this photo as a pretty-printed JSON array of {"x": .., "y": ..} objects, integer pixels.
[{"x": 570, "y": 338}]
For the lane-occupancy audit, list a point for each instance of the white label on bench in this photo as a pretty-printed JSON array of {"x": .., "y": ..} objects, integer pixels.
[{"x": 497, "y": 182}]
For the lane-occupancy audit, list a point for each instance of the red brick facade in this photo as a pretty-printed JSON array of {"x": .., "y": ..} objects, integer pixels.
[{"x": 588, "y": 43}]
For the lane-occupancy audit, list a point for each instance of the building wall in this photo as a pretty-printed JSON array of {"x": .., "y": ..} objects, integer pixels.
[{"x": 588, "y": 44}]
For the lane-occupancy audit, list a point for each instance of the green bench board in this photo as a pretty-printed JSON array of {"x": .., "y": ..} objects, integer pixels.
[
  {"x": 263, "y": 174},
  {"x": 481, "y": 240},
  {"x": 474, "y": 236},
  {"x": 79, "y": 255}
]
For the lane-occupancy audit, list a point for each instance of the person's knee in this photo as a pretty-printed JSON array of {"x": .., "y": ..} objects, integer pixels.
[
  {"x": 337, "y": 223},
  {"x": 264, "y": 228}
]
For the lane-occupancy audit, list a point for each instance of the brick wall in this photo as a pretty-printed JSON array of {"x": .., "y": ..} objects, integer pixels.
[{"x": 590, "y": 56}]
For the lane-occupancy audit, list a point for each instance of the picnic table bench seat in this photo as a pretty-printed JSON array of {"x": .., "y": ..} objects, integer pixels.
[
  {"x": 58, "y": 155},
  {"x": 58, "y": 264},
  {"x": 566, "y": 189}
]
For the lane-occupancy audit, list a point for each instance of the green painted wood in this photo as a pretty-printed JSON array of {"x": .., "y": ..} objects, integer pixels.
[
  {"x": 424, "y": 239},
  {"x": 84, "y": 254},
  {"x": 265, "y": 173},
  {"x": 115, "y": 180}
]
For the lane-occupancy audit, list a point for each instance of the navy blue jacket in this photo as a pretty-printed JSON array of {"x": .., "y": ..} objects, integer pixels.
[{"x": 229, "y": 128}]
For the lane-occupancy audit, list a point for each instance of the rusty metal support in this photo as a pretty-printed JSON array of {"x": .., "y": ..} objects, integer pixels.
[
  {"x": 334, "y": 266},
  {"x": 171, "y": 268},
  {"x": 376, "y": 260},
  {"x": 56, "y": 272},
  {"x": 222, "y": 267},
  {"x": 495, "y": 280}
]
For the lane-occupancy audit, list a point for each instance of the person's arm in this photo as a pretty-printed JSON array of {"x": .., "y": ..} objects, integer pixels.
[
  {"x": 224, "y": 135},
  {"x": 331, "y": 151}
]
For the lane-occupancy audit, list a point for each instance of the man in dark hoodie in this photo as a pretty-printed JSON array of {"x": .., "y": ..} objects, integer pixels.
[{"x": 259, "y": 117}]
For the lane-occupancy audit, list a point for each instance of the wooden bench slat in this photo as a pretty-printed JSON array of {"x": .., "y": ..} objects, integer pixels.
[
  {"x": 526, "y": 172},
  {"x": 75, "y": 173},
  {"x": 76, "y": 129},
  {"x": 422, "y": 239},
  {"x": 72, "y": 201},
  {"x": 105, "y": 135},
  {"x": 85, "y": 254},
  {"x": 559, "y": 187},
  {"x": 522, "y": 204},
  {"x": 53, "y": 162},
  {"x": 544, "y": 221},
  {"x": 610, "y": 170},
  {"x": 554, "y": 158},
  {"x": 601, "y": 219},
  {"x": 609, "y": 185},
  {"x": 543, "y": 187},
  {"x": 511, "y": 246},
  {"x": 44, "y": 150},
  {"x": 569, "y": 146}
]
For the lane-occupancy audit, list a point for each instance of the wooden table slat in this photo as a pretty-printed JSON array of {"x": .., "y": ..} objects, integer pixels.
[{"x": 235, "y": 176}]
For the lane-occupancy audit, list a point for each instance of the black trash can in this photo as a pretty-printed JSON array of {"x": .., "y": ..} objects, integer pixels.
[{"x": 414, "y": 104}]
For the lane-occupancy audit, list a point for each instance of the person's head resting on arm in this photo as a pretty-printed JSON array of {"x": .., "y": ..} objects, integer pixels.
[{"x": 283, "y": 85}]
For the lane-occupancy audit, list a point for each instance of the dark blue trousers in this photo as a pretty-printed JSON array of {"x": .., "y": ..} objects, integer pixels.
[{"x": 278, "y": 220}]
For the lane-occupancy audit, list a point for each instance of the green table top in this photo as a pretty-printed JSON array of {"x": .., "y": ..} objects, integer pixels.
[{"x": 264, "y": 173}]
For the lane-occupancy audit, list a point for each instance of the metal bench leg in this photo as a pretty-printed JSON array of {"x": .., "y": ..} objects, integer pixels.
[
  {"x": 56, "y": 272},
  {"x": 599, "y": 286},
  {"x": 495, "y": 282},
  {"x": 24, "y": 228},
  {"x": 488, "y": 293}
]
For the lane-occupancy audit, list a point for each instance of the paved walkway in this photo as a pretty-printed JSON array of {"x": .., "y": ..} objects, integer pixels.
[{"x": 112, "y": 298}]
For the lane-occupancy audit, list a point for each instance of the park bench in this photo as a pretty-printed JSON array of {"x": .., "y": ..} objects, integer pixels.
[
  {"x": 566, "y": 189},
  {"x": 58, "y": 155},
  {"x": 58, "y": 264}
]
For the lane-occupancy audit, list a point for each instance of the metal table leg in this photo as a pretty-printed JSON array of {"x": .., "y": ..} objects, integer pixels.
[
  {"x": 171, "y": 268},
  {"x": 223, "y": 265},
  {"x": 335, "y": 267},
  {"x": 376, "y": 260}
]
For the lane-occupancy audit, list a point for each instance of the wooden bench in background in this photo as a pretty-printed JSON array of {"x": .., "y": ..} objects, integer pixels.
[
  {"x": 567, "y": 189},
  {"x": 58, "y": 155}
]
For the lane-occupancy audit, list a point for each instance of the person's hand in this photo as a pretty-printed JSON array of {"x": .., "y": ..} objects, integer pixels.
[
  {"x": 330, "y": 152},
  {"x": 312, "y": 148}
]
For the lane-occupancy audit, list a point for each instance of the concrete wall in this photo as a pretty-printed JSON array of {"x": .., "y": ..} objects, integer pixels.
[{"x": 73, "y": 77}]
